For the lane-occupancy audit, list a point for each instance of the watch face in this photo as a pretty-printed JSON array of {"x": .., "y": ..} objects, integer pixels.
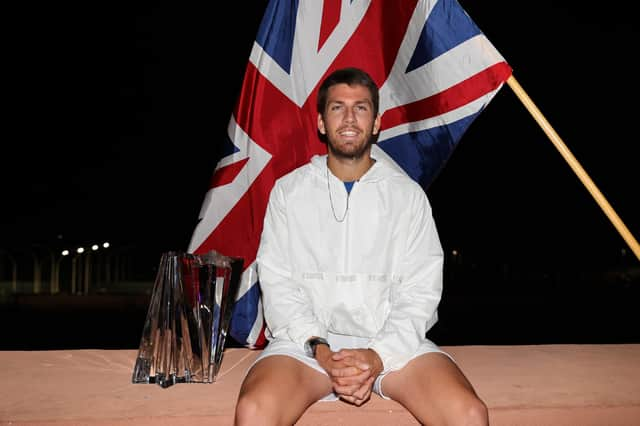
[{"x": 308, "y": 348}]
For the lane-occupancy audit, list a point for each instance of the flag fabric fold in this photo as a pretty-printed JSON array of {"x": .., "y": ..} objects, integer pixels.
[{"x": 436, "y": 72}]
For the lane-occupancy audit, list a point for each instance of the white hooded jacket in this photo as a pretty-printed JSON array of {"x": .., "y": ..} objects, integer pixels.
[{"x": 376, "y": 274}]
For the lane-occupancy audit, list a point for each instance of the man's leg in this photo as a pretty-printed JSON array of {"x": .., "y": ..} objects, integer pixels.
[
  {"x": 277, "y": 391},
  {"x": 436, "y": 392}
]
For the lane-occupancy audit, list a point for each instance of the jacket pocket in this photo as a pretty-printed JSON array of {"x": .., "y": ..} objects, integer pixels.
[{"x": 351, "y": 304}]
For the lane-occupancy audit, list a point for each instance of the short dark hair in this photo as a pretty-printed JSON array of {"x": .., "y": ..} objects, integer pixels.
[{"x": 352, "y": 77}]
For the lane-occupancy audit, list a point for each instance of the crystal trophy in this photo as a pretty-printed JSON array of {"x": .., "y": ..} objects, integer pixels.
[{"x": 188, "y": 318}]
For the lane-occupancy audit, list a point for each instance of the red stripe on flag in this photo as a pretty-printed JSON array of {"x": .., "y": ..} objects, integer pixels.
[
  {"x": 456, "y": 96},
  {"x": 330, "y": 18},
  {"x": 374, "y": 45},
  {"x": 261, "y": 341},
  {"x": 227, "y": 174}
]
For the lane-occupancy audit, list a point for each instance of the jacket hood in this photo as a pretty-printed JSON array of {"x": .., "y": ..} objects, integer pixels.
[{"x": 385, "y": 166}]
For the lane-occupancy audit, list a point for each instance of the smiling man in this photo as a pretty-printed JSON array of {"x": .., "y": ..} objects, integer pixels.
[{"x": 350, "y": 267}]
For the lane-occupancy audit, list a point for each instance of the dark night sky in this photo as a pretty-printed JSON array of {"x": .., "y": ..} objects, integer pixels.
[{"x": 115, "y": 112}]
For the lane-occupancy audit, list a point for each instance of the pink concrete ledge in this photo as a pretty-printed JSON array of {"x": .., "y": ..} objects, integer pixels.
[{"x": 522, "y": 385}]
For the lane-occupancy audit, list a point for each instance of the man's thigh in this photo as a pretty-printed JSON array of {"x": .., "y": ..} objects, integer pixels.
[
  {"x": 429, "y": 382},
  {"x": 285, "y": 381}
]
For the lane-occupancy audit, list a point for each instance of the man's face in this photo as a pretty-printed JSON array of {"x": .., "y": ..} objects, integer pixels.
[{"x": 348, "y": 121}]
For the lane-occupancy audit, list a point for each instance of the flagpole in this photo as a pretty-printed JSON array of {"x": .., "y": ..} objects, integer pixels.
[{"x": 575, "y": 166}]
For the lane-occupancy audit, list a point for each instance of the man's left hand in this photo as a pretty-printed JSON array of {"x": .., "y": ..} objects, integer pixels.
[{"x": 354, "y": 381}]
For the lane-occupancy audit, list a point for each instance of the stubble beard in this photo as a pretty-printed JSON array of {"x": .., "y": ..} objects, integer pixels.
[{"x": 352, "y": 154}]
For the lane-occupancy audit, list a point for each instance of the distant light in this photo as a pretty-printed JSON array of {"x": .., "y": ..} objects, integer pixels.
[
  {"x": 80, "y": 250},
  {"x": 95, "y": 247},
  {"x": 105, "y": 245},
  {"x": 65, "y": 252},
  {"x": 454, "y": 252}
]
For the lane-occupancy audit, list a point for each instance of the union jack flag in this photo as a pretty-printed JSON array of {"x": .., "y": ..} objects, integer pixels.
[{"x": 436, "y": 72}]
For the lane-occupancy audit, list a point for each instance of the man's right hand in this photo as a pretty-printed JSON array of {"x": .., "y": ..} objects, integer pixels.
[{"x": 351, "y": 378}]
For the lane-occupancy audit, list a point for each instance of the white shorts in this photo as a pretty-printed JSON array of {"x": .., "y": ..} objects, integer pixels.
[{"x": 337, "y": 342}]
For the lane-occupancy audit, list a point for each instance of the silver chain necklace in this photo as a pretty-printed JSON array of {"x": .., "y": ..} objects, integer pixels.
[{"x": 331, "y": 201}]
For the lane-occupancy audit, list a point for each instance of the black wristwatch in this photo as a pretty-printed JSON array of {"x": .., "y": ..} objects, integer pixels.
[{"x": 310, "y": 345}]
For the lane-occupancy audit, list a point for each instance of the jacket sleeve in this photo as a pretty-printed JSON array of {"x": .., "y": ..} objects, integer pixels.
[
  {"x": 287, "y": 308},
  {"x": 416, "y": 295}
]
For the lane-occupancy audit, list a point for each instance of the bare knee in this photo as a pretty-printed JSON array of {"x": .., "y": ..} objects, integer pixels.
[
  {"x": 470, "y": 412},
  {"x": 252, "y": 408}
]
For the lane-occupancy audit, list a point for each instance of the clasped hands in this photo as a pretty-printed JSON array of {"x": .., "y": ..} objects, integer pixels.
[{"x": 352, "y": 372}]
